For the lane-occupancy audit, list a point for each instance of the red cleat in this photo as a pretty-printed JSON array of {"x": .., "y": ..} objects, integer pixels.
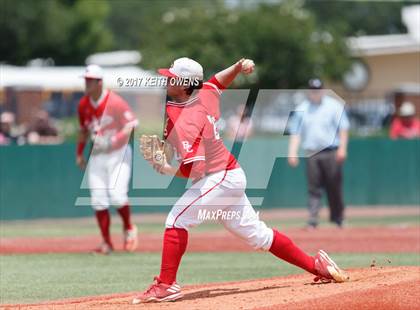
[
  {"x": 159, "y": 292},
  {"x": 328, "y": 270}
]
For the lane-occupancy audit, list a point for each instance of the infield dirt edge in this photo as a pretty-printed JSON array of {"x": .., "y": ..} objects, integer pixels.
[{"x": 292, "y": 292}]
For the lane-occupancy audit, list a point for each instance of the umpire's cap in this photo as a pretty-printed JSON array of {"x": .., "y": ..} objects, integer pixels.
[{"x": 315, "y": 83}]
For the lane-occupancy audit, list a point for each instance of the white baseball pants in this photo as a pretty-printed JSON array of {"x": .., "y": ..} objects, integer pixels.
[
  {"x": 109, "y": 177},
  {"x": 221, "y": 196}
]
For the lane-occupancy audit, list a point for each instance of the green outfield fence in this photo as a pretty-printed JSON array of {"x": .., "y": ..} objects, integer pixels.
[{"x": 43, "y": 181}]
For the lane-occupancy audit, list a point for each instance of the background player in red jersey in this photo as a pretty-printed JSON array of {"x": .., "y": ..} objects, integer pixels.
[
  {"x": 107, "y": 120},
  {"x": 218, "y": 181}
]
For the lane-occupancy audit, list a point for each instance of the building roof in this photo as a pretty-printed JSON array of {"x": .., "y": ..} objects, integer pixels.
[
  {"x": 64, "y": 78},
  {"x": 114, "y": 58},
  {"x": 392, "y": 43},
  {"x": 383, "y": 45},
  {"x": 408, "y": 88}
]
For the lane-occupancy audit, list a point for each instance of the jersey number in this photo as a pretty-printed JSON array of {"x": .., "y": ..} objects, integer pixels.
[{"x": 212, "y": 121}]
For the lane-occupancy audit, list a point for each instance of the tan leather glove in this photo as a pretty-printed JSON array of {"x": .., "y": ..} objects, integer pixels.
[{"x": 155, "y": 150}]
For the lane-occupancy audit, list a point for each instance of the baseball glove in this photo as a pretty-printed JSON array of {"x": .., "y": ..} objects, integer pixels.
[{"x": 155, "y": 151}]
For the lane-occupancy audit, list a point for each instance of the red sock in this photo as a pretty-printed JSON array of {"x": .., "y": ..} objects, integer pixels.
[
  {"x": 174, "y": 244},
  {"x": 285, "y": 249},
  {"x": 104, "y": 221},
  {"x": 124, "y": 212}
]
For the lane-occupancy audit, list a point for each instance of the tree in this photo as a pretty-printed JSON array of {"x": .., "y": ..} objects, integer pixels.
[
  {"x": 66, "y": 31},
  {"x": 360, "y": 17},
  {"x": 281, "y": 38}
]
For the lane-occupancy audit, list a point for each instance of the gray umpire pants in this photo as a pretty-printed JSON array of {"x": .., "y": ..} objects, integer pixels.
[{"x": 324, "y": 172}]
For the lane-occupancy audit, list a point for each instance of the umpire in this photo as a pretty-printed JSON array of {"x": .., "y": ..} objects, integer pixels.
[{"x": 321, "y": 125}]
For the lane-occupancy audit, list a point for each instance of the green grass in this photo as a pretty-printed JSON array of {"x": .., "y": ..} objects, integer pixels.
[
  {"x": 41, "y": 277},
  {"x": 84, "y": 227}
]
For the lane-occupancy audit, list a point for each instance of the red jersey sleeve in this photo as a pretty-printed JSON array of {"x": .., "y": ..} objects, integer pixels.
[
  {"x": 214, "y": 84},
  {"x": 124, "y": 113},
  {"x": 126, "y": 118},
  {"x": 81, "y": 143},
  {"x": 395, "y": 129},
  {"x": 81, "y": 114}
]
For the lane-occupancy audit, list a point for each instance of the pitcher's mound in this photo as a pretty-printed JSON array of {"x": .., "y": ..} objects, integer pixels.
[{"x": 369, "y": 288}]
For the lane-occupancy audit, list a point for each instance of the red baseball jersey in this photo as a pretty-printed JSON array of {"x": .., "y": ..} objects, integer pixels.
[
  {"x": 107, "y": 117},
  {"x": 191, "y": 128},
  {"x": 405, "y": 130}
]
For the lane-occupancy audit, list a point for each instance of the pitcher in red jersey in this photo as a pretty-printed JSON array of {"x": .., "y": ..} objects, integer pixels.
[{"x": 218, "y": 181}]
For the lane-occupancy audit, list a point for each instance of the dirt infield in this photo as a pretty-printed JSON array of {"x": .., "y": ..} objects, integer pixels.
[
  {"x": 371, "y": 288},
  {"x": 349, "y": 240},
  {"x": 385, "y": 239}
]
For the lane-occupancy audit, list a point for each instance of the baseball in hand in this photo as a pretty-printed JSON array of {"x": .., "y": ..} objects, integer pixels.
[{"x": 248, "y": 66}]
